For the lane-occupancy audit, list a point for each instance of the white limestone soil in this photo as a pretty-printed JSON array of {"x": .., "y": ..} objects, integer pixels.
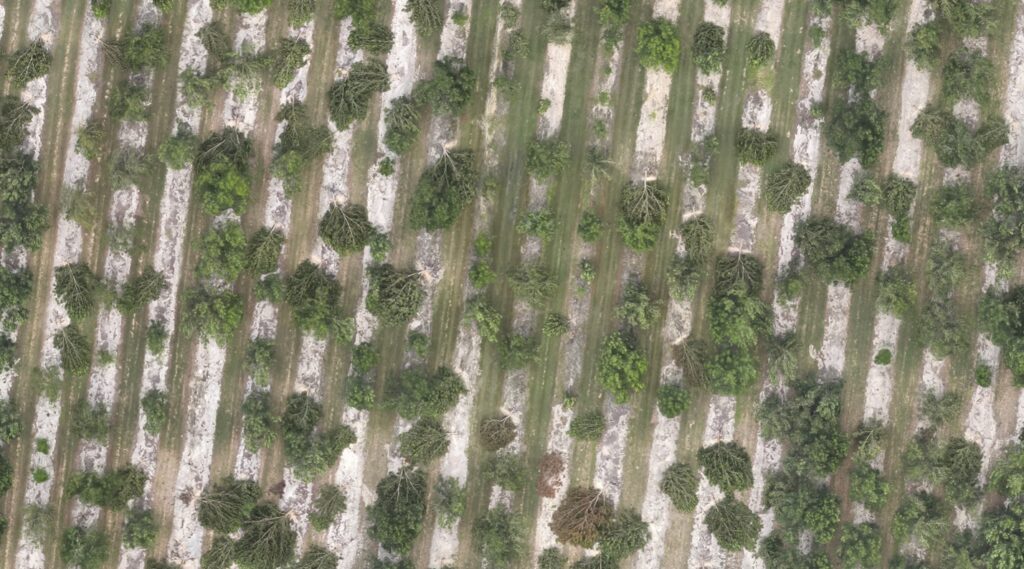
[
  {"x": 513, "y": 404},
  {"x": 241, "y": 114},
  {"x": 913, "y": 98},
  {"x": 186, "y": 544},
  {"x": 748, "y": 186},
  {"x": 870, "y": 40},
  {"x": 848, "y": 209},
  {"x": 769, "y": 19},
  {"x": 47, "y": 416},
  {"x": 720, "y": 426},
  {"x": 650, "y": 133},
  {"x": 831, "y": 357},
  {"x": 76, "y": 166},
  {"x": 932, "y": 371},
  {"x": 552, "y": 87},
  {"x": 718, "y": 14},
  {"x": 42, "y": 27},
  {"x": 878, "y": 388},
  {"x": 1013, "y": 152}
]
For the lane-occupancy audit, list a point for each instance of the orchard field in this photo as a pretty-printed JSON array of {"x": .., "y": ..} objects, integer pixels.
[{"x": 631, "y": 284}]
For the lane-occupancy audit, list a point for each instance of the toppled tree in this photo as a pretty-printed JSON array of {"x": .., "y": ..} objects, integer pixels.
[
  {"x": 587, "y": 426},
  {"x": 754, "y": 146},
  {"x": 833, "y": 251},
  {"x": 954, "y": 141},
  {"x": 75, "y": 351},
  {"x": 727, "y": 465},
  {"x": 396, "y": 519},
  {"x": 425, "y": 442},
  {"x": 533, "y": 283},
  {"x": 621, "y": 366},
  {"x": 310, "y": 451},
  {"x": 28, "y": 63},
  {"x": 314, "y": 297},
  {"x": 709, "y": 47},
  {"x": 220, "y": 555},
  {"x": 330, "y": 503},
  {"x": 679, "y": 483},
  {"x": 499, "y": 537},
  {"x": 426, "y": 15},
  {"x": 626, "y": 533},
  {"x": 317, "y": 557},
  {"x": 444, "y": 190},
  {"x": 581, "y": 517},
  {"x": 417, "y": 392},
  {"x": 76, "y": 287},
  {"x": 1004, "y": 234},
  {"x": 263, "y": 250},
  {"x": 785, "y": 185},
  {"x": 497, "y": 432},
  {"x": 140, "y": 50},
  {"x": 213, "y": 314},
  {"x": 299, "y": 146},
  {"x": 141, "y": 289},
  {"x": 225, "y": 505},
  {"x": 643, "y": 210},
  {"x": 284, "y": 61},
  {"x": 267, "y": 541},
  {"x": 349, "y": 98},
  {"x": 346, "y": 229},
  {"x": 394, "y": 296},
  {"x": 732, "y": 523},
  {"x": 222, "y": 172},
  {"x": 15, "y": 116},
  {"x": 658, "y": 45},
  {"x": 698, "y": 236}
]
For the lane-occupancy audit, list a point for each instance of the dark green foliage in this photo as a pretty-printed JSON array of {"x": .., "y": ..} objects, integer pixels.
[
  {"x": 417, "y": 392},
  {"x": 220, "y": 555},
  {"x": 346, "y": 229},
  {"x": 922, "y": 516},
  {"x": 222, "y": 172},
  {"x": 785, "y": 185},
  {"x": 967, "y": 18},
  {"x": 801, "y": 504},
  {"x": 299, "y": 146},
  {"x": 1007, "y": 476},
  {"x": 754, "y": 146},
  {"x": 499, "y": 537},
  {"x": 444, "y": 190},
  {"x": 967, "y": 74},
  {"x": 626, "y": 533},
  {"x": 684, "y": 276},
  {"x": 643, "y": 209},
  {"x": 365, "y": 357},
  {"x": 425, "y": 442},
  {"x": 857, "y": 70},
  {"x": 860, "y": 545},
  {"x": 451, "y": 87},
  {"x": 225, "y": 505},
  {"x": 85, "y": 548},
  {"x": 638, "y": 309},
  {"x": 554, "y": 325},
  {"x": 267, "y": 541},
  {"x": 738, "y": 318},
  {"x": 258, "y": 421},
  {"x": 139, "y": 50},
  {"x": 833, "y": 251},
  {"x": 90, "y": 138},
  {"x": 10, "y": 422},
  {"x": 75, "y": 351},
  {"x": 868, "y": 487},
  {"x": 222, "y": 253},
  {"x": 1002, "y": 535},
  {"x": 28, "y": 63},
  {"x": 551, "y": 558},
  {"x": 129, "y": 102},
  {"x": 22, "y": 222},
  {"x": 517, "y": 351},
  {"x": 245, "y": 6},
  {"x": 15, "y": 289},
  {"x": 314, "y": 297},
  {"x": 371, "y": 37},
  {"x": 1004, "y": 231},
  {"x": 15, "y": 116},
  {"x": 259, "y": 358},
  {"x": 925, "y": 48},
  {"x": 396, "y": 519},
  {"x": 658, "y": 45},
  {"x": 140, "y": 529},
  {"x": 808, "y": 419},
  {"x": 587, "y": 425},
  {"x": 532, "y": 283},
  {"x": 427, "y": 16},
  {"x": 155, "y": 406},
  {"x": 883, "y": 357},
  {"x": 954, "y": 141},
  {"x": 777, "y": 553},
  {"x": 449, "y": 501},
  {"x": 349, "y": 98},
  {"x": 943, "y": 330},
  {"x": 679, "y": 483},
  {"x": 546, "y": 157},
  {"x": 285, "y": 60},
  {"x": 760, "y": 49},
  {"x": 213, "y": 314},
  {"x": 150, "y": 562},
  {"x": 197, "y": 89},
  {"x": 673, "y": 400},
  {"x": 621, "y": 366},
  {"x": 76, "y": 287},
  {"x": 590, "y": 227},
  {"x": 582, "y": 516},
  {"x": 309, "y": 451},
  {"x": 394, "y": 296},
  {"x": 112, "y": 490},
  {"x": 487, "y": 318},
  {"x": 953, "y": 206},
  {"x": 960, "y": 467},
  {"x": 856, "y": 130},
  {"x": 727, "y": 465},
  {"x": 402, "y": 124},
  {"x": 896, "y": 292},
  {"x": 317, "y": 557},
  {"x": 734, "y": 526},
  {"x": 698, "y": 236},
  {"x": 709, "y": 47},
  {"x": 361, "y": 395},
  {"x": 330, "y": 503},
  {"x": 141, "y": 289},
  {"x": 941, "y": 409},
  {"x": 263, "y": 250}
]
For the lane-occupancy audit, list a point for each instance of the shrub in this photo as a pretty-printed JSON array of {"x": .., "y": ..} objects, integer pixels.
[
  {"x": 487, "y": 318},
  {"x": 801, "y": 504},
  {"x": 555, "y": 325},
  {"x": 785, "y": 185},
  {"x": 983, "y": 375},
  {"x": 15, "y": 116},
  {"x": 444, "y": 190},
  {"x": 129, "y": 102},
  {"x": 449, "y": 501},
  {"x": 310, "y": 451},
  {"x": 587, "y": 426},
  {"x": 330, "y": 503},
  {"x": 856, "y": 130},
  {"x": 156, "y": 337},
  {"x": 967, "y": 18},
  {"x": 551, "y": 558},
  {"x": 658, "y": 45},
  {"x": 371, "y": 37},
  {"x": 638, "y": 310},
  {"x": 967, "y": 74},
  {"x": 534, "y": 284},
  {"x": 760, "y": 49},
  {"x": 732, "y": 523},
  {"x": 349, "y": 98},
  {"x": 833, "y": 251},
  {"x": 222, "y": 253},
  {"x": 499, "y": 537},
  {"x": 673, "y": 400},
  {"x": 86, "y": 548},
  {"x": 196, "y": 89},
  {"x": 361, "y": 395},
  {"x": 953, "y": 206},
  {"x": 155, "y": 407},
  {"x": 590, "y": 227},
  {"x": 450, "y": 89},
  {"x": 808, "y": 419},
  {"x": 754, "y": 146},
  {"x": 213, "y": 314},
  {"x": 112, "y": 490},
  {"x": 346, "y": 229},
  {"x": 621, "y": 366},
  {"x": 28, "y": 63},
  {"x": 643, "y": 209},
  {"x": 425, "y": 442},
  {"x": 868, "y": 487},
  {"x": 258, "y": 420},
  {"x": 417, "y": 392},
  {"x": 860, "y": 545},
  {"x": 396, "y": 519},
  {"x": 954, "y": 142},
  {"x": 546, "y": 158},
  {"x": 140, "y": 529},
  {"x": 709, "y": 47},
  {"x": 394, "y": 297},
  {"x": 896, "y": 292},
  {"x": 314, "y": 297},
  {"x": 925, "y": 48},
  {"x": 581, "y": 516},
  {"x": 727, "y": 465},
  {"x": 139, "y": 50},
  {"x": 90, "y": 139},
  {"x": 883, "y": 357},
  {"x": 855, "y": 69}
]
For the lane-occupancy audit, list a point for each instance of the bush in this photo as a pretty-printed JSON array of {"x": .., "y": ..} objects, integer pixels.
[
  {"x": 90, "y": 139},
  {"x": 856, "y": 70},
  {"x": 444, "y": 190},
  {"x": 330, "y": 503},
  {"x": 658, "y": 45},
  {"x": 487, "y": 318},
  {"x": 638, "y": 310},
  {"x": 587, "y": 426},
  {"x": 709, "y": 47},
  {"x": 112, "y": 490},
  {"x": 967, "y": 18},
  {"x": 129, "y": 102},
  {"x": 28, "y": 63},
  {"x": 983, "y": 375},
  {"x": 497, "y": 432},
  {"x": 684, "y": 276},
  {"x": 581, "y": 516},
  {"x": 953, "y": 206},
  {"x": 679, "y": 483},
  {"x": 15, "y": 116},
  {"x": 534, "y": 284},
  {"x": 801, "y": 504},
  {"x": 156, "y": 337},
  {"x": 754, "y": 146},
  {"x": 140, "y": 529},
  {"x": 396, "y": 519},
  {"x": 267, "y": 539},
  {"x": 785, "y": 185},
  {"x": 625, "y": 534},
  {"x": 808, "y": 419},
  {"x": 213, "y": 314},
  {"x": 860, "y": 545},
  {"x": 590, "y": 227},
  {"x": 449, "y": 501},
  {"x": 309, "y": 451},
  {"x": 643, "y": 209},
  {"x": 425, "y": 442},
  {"x": 546, "y": 158},
  {"x": 883, "y": 357},
  {"x": 86, "y": 548},
  {"x": 402, "y": 124},
  {"x": 76, "y": 287},
  {"x": 1004, "y": 236},
  {"x": 197, "y": 90},
  {"x": 505, "y": 470},
  {"x": 499, "y": 537},
  {"x": 727, "y": 465},
  {"x": 222, "y": 172},
  {"x": 222, "y": 253},
  {"x": 371, "y": 37},
  {"x": 551, "y": 558},
  {"x": 673, "y": 400},
  {"x": 621, "y": 366},
  {"x": 897, "y": 294},
  {"x": 394, "y": 297},
  {"x": 450, "y": 89},
  {"x": 23, "y": 222},
  {"x": 954, "y": 142},
  {"x": 155, "y": 407},
  {"x": 314, "y": 297},
  {"x": 555, "y": 325},
  {"x": 857, "y": 130},
  {"x": 760, "y": 49},
  {"x": 925, "y": 48},
  {"x": 349, "y": 98},
  {"x": 833, "y": 251},
  {"x": 967, "y": 74},
  {"x": 346, "y": 229},
  {"x": 417, "y": 392},
  {"x": 734, "y": 526},
  {"x": 959, "y": 469}
]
